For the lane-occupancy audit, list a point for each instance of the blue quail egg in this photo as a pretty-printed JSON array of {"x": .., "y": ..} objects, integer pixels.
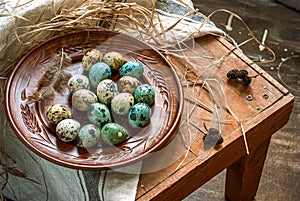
[
  {"x": 128, "y": 84},
  {"x": 106, "y": 90},
  {"x": 99, "y": 114},
  {"x": 132, "y": 68},
  {"x": 90, "y": 58},
  {"x": 114, "y": 59},
  {"x": 122, "y": 103},
  {"x": 83, "y": 98},
  {"x": 98, "y": 72},
  {"x": 67, "y": 130},
  {"x": 58, "y": 112},
  {"x": 144, "y": 94},
  {"x": 77, "y": 82},
  {"x": 88, "y": 136},
  {"x": 113, "y": 133},
  {"x": 139, "y": 115}
]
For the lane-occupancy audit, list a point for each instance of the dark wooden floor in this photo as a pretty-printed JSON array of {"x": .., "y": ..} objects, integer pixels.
[{"x": 281, "y": 176}]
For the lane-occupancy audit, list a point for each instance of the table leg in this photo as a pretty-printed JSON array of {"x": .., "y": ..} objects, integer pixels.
[{"x": 242, "y": 177}]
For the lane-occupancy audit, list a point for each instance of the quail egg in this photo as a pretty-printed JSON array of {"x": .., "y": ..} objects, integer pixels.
[
  {"x": 128, "y": 84},
  {"x": 67, "y": 130},
  {"x": 98, "y": 72},
  {"x": 58, "y": 112},
  {"x": 99, "y": 114},
  {"x": 132, "y": 68},
  {"x": 82, "y": 99},
  {"x": 122, "y": 103},
  {"x": 90, "y": 58},
  {"x": 139, "y": 115},
  {"x": 77, "y": 82},
  {"x": 113, "y": 133},
  {"x": 144, "y": 94},
  {"x": 106, "y": 90},
  {"x": 88, "y": 136},
  {"x": 114, "y": 59}
]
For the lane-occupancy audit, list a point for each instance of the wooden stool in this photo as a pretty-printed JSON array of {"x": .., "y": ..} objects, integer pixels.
[{"x": 266, "y": 110}]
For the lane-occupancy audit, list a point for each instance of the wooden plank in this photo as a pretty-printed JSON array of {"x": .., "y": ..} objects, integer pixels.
[{"x": 199, "y": 171}]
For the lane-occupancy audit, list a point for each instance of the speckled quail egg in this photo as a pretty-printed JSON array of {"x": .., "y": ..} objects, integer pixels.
[
  {"x": 83, "y": 98},
  {"x": 98, "y": 72},
  {"x": 77, "y": 82},
  {"x": 99, "y": 114},
  {"x": 128, "y": 84},
  {"x": 114, "y": 59},
  {"x": 132, "y": 68},
  {"x": 144, "y": 94},
  {"x": 113, "y": 133},
  {"x": 139, "y": 115},
  {"x": 122, "y": 103},
  {"x": 90, "y": 58},
  {"x": 58, "y": 112},
  {"x": 67, "y": 130},
  {"x": 88, "y": 136},
  {"x": 106, "y": 90}
]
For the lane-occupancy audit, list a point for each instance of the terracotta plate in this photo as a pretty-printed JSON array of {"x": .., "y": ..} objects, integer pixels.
[{"x": 28, "y": 118}]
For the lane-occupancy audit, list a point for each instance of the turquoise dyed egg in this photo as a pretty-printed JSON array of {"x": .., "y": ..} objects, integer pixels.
[
  {"x": 83, "y": 98},
  {"x": 139, "y": 115},
  {"x": 57, "y": 112},
  {"x": 114, "y": 59},
  {"x": 90, "y": 58},
  {"x": 98, "y": 72},
  {"x": 88, "y": 136},
  {"x": 113, "y": 133},
  {"x": 144, "y": 94},
  {"x": 132, "y": 68},
  {"x": 122, "y": 103},
  {"x": 128, "y": 84},
  {"x": 67, "y": 130},
  {"x": 99, "y": 114},
  {"x": 106, "y": 90},
  {"x": 77, "y": 82}
]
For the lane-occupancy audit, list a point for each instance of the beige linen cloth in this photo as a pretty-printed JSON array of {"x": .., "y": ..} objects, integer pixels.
[{"x": 47, "y": 181}]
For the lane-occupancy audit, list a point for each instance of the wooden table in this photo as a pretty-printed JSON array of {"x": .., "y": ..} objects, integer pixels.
[{"x": 267, "y": 112}]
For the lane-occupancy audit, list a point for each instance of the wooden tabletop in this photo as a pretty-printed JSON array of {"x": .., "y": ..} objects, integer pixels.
[{"x": 262, "y": 108}]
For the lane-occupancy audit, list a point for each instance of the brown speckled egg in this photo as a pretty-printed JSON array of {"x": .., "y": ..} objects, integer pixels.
[
  {"x": 106, "y": 90},
  {"x": 128, "y": 84},
  {"x": 58, "y": 112},
  {"x": 77, "y": 82},
  {"x": 90, "y": 58},
  {"x": 83, "y": 99},
  {"x": 67, "y": 130},
  {"x": 122, "y": 103},
  {"x": 114, "y": 59}
]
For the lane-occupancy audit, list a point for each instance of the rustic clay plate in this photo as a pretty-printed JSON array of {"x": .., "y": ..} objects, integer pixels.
[{"x": 28, "y": 118}]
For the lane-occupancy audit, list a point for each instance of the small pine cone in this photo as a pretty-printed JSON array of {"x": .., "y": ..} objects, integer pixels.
[
  {"x": 242, "y": 74},
  {"x": 247, "y": 80},
  {"x": 233, "y": 74}
]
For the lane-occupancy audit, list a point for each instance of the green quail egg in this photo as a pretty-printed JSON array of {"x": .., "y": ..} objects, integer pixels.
[
  {"x": 144, "y": 94},
  {"x": 99, "y": 114},
  {"x": 88, "y": 136},
  {"x": 139, "y": 115},
  {"x": 132, "y": 68},
  {"x": 113, "y": 133}
]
